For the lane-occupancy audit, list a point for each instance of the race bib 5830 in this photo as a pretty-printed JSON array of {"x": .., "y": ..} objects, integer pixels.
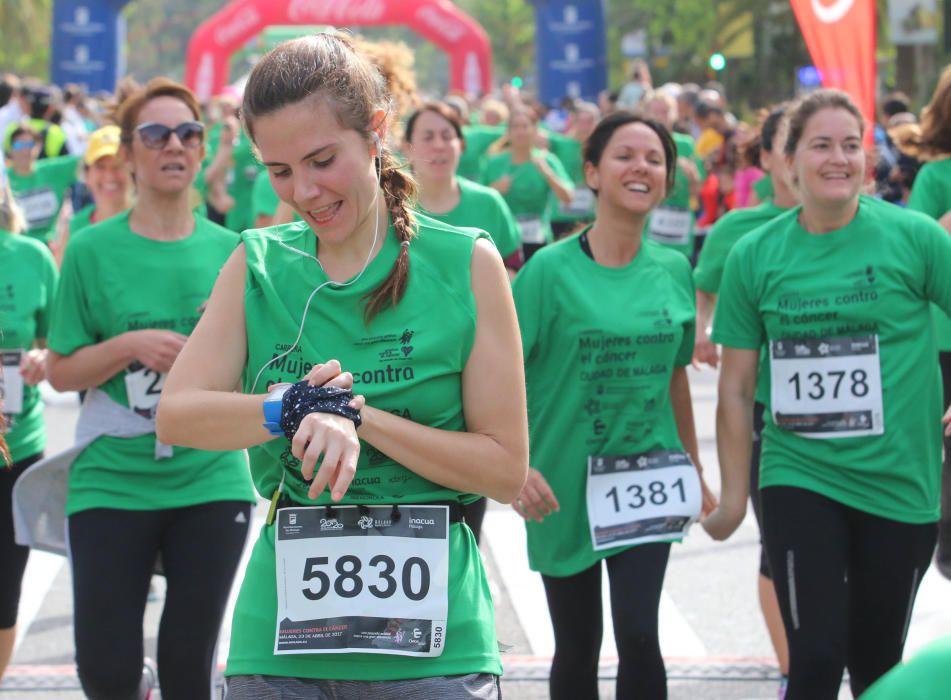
[{"x": 361, "y": 579}]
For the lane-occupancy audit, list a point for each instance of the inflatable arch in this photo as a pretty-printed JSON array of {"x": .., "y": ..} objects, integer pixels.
[{"x": 439, "y": 21}]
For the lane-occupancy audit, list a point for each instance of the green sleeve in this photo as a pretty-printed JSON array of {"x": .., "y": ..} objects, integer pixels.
[
  {"x": 494, "y": 168},
  {"x": 71, "y": 323},
  {"x": 264, "y": 201},
  {"x": 507, "y": 236},
  {"x": 50, "y": 280},
  {"x": 926, "y": 194},
  {"x": 937, "y": 261},
  {"x": 709, "y": 271},
  {"x": 528, "y": 291},
  {"x": 737, "y": 322}
]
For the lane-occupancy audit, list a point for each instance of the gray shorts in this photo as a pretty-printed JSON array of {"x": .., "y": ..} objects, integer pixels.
[{"x": 483, "y": 686}]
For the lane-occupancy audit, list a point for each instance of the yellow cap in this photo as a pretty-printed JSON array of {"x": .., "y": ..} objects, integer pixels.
[{"x": 102, "y": 142}]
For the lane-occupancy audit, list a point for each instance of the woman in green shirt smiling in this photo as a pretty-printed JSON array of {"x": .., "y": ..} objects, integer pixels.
[
  {"x": 839, "y": 290},
  {"x": 613, "y": 446}
]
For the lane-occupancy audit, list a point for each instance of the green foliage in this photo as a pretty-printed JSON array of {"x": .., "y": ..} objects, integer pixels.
[
  {"x": 25, "y": 28},
  {"x": 510, "y": 25},
  {"x": 158, "y": 32},
  {"x": 682, "y": 34}
]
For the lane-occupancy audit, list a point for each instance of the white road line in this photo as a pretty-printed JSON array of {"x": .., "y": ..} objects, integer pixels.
[
  {"x": 41, "y": 570},
  {"x": 931, "y": 617},
  {"x": 505, "y": 535}
]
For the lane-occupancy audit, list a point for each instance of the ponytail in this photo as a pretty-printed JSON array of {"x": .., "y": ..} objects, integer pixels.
[{"x": 399, "y": 191}]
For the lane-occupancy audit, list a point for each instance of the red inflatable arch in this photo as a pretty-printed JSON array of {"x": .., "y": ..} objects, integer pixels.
[{"x": 439, "y": 21}]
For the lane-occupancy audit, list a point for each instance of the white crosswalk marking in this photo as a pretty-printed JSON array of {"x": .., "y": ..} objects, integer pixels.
[{"x": 41, "y": 570}]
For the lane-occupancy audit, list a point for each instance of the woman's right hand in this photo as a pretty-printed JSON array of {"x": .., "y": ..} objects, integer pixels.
[
  {"x": 157, "y": 349},
  {"x": 536, "y": 499}
]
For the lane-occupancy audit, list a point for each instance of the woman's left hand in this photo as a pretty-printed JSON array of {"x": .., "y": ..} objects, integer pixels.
[
  {"x": 947, "y": 422},
  {"x": 33, "y": 366}
]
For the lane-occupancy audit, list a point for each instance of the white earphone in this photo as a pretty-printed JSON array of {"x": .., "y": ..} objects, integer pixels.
[{"x": 376, "y": 141}]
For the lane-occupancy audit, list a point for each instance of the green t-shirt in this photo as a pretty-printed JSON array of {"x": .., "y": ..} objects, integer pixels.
[
  {"x": 673, "y": 222},
  {"x": 239, "y": 179},
  {"x": 927, "y": 676},
  {"x": 408, "y": 360},
  {"x": 529, "y": 197},
  {"x": 483, "y": 208},
  {"x": 27, "y": 289},
  {"x": 115, "y": 281},
  {"x": 713, "y": 256},
  {"x": 728, "y": 229},
  {"x": 849, "y": 310},
  {"x": 477, "y": 139},
  {"x": 764, "y": 188},
  {"x": 599, "y": 355},
  {"x": 40, "y": 194},
  {"x": 581, "y": 207},
  {"x": 931, "y": 195},
  {"x": 81, "y": 219}
]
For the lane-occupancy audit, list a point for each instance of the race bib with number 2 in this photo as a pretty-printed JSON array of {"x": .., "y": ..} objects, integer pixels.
[{"x": 144, "y": 389}]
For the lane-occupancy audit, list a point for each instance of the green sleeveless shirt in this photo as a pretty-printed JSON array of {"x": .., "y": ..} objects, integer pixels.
[{"x": 408, "y": 360}]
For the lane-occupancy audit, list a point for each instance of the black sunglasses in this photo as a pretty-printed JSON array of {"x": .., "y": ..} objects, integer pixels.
[{"x": 156, "y": 136}]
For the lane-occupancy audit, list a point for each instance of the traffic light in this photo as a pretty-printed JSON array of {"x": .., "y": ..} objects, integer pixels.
[{"x": 717, "y": 61}]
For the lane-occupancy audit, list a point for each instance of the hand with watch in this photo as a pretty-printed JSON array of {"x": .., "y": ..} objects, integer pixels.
[{"x": 320, "y": 416}]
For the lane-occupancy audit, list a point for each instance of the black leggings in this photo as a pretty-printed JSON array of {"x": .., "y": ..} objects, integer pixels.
[
  {"x": 112, "y": 553},
  {"x": 846, "y": 582},
  {"x": 636, "y": 577},
  {"x": 12, "y": 556}
]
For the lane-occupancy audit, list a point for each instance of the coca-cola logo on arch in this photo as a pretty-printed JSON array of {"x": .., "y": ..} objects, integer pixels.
[
  {"x": 451, "y": 29},
  {"x": 336, "y": 12},
  {"x": 243, "y": 22}
]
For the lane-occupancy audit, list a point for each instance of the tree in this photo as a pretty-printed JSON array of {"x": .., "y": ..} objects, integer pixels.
[
  {"x": 25, "y": 28},
  {"x": 510, "y": 25}
]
